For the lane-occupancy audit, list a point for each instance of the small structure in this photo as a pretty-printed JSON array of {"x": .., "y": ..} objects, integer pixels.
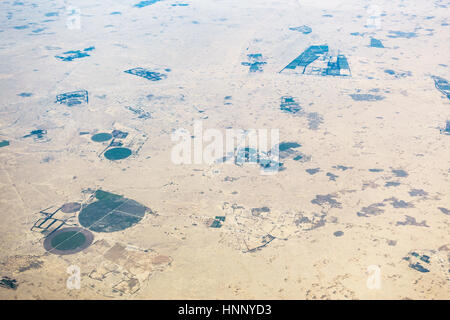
[
  {"x": 75, "y": 54},
  {"x": 109, "y": 212},
  {"x": 375, "y": 43},
  {"x": 218, "y": 221},
  {"x": 8, "y": 283},
  {"x": 442, "y": 85},
  {"x": 289, "y": 104},
  {"x": 303, "y": 29},
  {"x": 256, "y": 62},
  {"x": 37, "y": 134},
  {"x": 49, "y": 224}
]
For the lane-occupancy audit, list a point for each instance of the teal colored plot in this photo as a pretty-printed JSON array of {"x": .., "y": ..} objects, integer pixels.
[{"x": 101, "y": 137}]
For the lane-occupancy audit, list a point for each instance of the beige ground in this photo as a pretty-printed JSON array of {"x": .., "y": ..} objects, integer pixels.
[{"x": 187, "y": 259}]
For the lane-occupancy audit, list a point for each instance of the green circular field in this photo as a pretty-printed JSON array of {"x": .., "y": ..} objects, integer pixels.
[
  {"x": 117, "y": 153},
  {"x": 69, "y": 240},
  {"x": 101, "y": 137},
  {"x": 111, "y": 214}
]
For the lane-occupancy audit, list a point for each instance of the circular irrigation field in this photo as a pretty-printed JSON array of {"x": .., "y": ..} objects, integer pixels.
[{"x": 68, "y": 241}]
